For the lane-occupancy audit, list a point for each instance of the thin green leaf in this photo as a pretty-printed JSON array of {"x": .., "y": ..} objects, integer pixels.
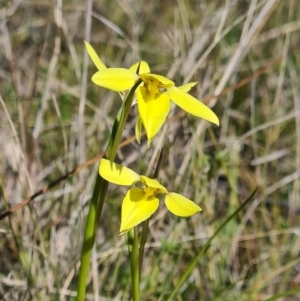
[{"x": 205, "y": 247}]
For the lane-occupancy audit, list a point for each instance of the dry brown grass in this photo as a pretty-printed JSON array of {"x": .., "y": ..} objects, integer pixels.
[{"x": 52, "y": 119}]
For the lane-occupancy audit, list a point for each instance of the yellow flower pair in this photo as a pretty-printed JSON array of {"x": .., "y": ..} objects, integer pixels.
[{"x": 153, "y": 100}]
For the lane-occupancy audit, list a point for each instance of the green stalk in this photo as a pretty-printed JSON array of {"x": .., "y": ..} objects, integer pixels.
[
  {"x": 144, "y": 235},
  {"x": 133, "y": 247},
  {"x": 205, "y": 247},
  {"x": 99, "y": 193}
]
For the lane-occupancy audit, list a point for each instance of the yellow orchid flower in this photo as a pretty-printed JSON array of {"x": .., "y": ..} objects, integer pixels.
[
  {"x": 153, "y": 95},
  {"x": 141, "y": 202},
  {"x": 142, "y": 65}
]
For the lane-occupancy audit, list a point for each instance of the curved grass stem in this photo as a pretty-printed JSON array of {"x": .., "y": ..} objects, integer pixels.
[{"x": 205, "y": 247}]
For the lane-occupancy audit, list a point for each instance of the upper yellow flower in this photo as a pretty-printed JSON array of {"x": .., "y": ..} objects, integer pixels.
[
  {"x": 153, "y": 95},
  {"x": 141, "y": 202}
]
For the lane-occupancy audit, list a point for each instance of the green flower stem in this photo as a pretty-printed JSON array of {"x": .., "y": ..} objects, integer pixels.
[
  {"x": 99, "y": 193},
  {"x": 133, "y": 247},
  {"x": 143, "y": 240},
  {"x": 194, "y": 262}
]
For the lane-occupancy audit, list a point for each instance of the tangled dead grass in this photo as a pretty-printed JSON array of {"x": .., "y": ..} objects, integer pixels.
[{"x": 245, "y": 56}]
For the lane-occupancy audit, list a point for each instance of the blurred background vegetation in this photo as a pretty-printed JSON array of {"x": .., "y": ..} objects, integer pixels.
[{"x": 245, "y": 56}]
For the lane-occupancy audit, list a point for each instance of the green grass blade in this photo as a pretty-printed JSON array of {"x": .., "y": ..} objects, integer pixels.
[
  {"x": 284, "y": 294},
  {"x": 205, "y": 247}
]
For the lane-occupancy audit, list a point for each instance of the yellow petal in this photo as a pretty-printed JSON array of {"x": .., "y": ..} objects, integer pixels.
[
  {"x": 94, "y": 57},
  {"x": 187, "y": 87},
  {"x": 181, "y": 206},
  {"x": 161, "y": 81},
  {"x": 153, "y": 184},
  {"x": 117, "y": 174},
  {"x": 192, "y": 105},
  {"x": 136, "y": 208},
  {"x": 144, "y": 67},
  {"x": 153, "y": 110},
  {"x": 115, "y": 79},
  {"x": 138, "y": 130}
]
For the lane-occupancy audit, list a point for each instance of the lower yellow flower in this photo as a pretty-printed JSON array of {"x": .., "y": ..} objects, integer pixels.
[{"x": 141, "y": 202}]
